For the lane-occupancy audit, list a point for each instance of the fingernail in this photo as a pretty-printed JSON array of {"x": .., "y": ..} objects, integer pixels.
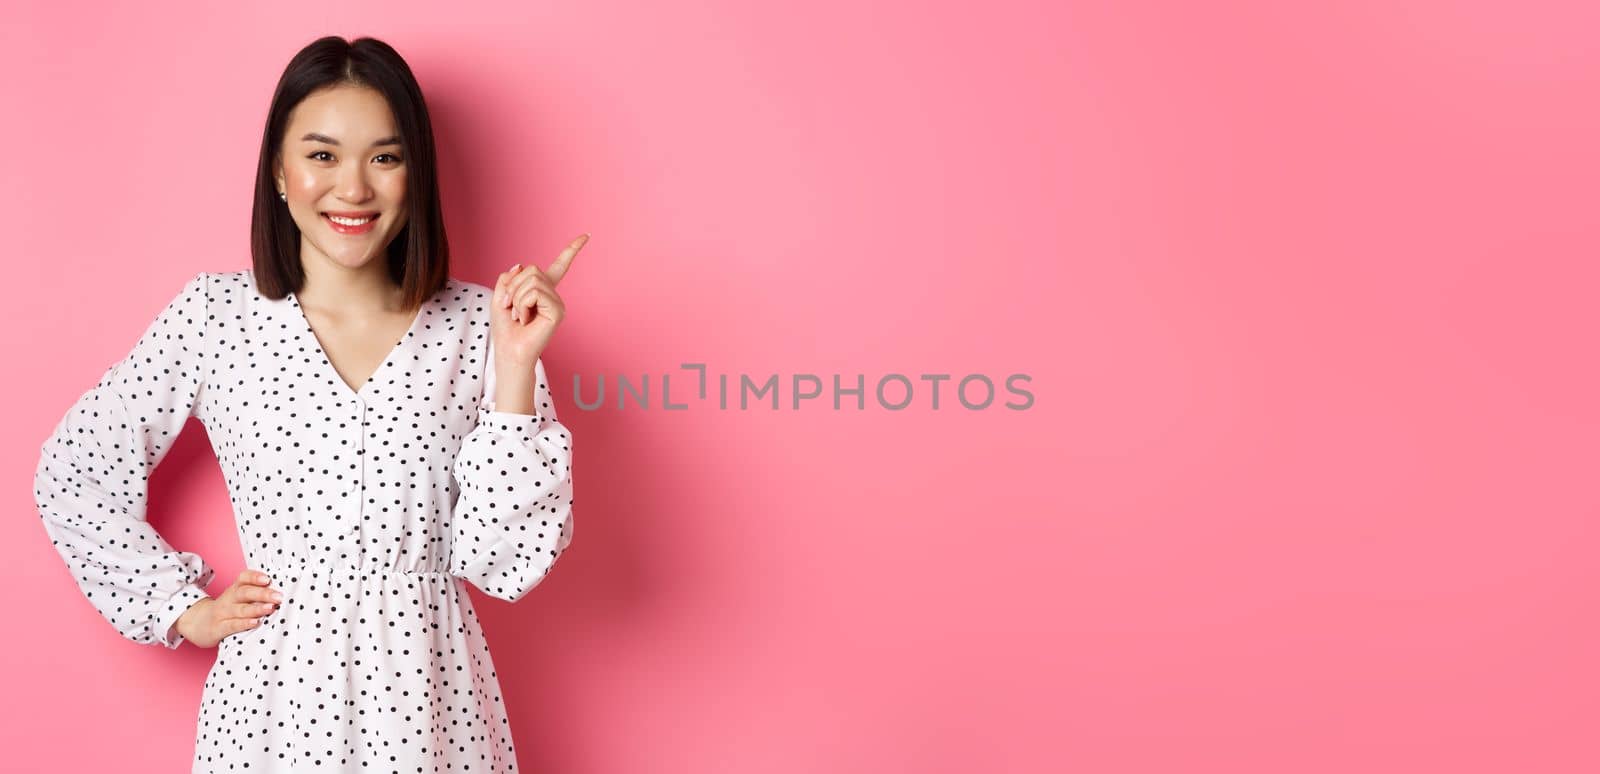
[
  {"x": 516, "y": 266},
  {"x": 277, "y": 596}
]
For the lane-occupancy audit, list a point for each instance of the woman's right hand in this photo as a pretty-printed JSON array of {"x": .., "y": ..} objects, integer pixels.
[{"x": 239, "y": 608}]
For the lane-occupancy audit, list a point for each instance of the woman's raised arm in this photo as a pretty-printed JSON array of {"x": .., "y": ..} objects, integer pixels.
[{"x": 513, "y": 514}]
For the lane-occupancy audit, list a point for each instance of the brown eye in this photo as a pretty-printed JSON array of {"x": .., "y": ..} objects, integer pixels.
[
  {"x": 390, "y": 155},
  {"x": 315, "y": 154}
]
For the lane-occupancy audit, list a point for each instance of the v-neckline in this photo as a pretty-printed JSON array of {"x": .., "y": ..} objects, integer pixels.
[{"x": 357, "y": 392}]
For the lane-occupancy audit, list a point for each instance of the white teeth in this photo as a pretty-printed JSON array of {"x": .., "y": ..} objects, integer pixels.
[{"x": 349, "y": 221}]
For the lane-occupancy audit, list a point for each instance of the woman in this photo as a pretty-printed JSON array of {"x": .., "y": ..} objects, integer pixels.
[{"x": 386, "y": 433}]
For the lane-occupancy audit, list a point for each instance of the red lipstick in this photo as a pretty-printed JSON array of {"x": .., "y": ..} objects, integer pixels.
[{"x": 370, "y": 218}]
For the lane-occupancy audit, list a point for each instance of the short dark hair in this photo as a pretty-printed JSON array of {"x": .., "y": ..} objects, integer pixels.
[{"x": 419, "y": 257}]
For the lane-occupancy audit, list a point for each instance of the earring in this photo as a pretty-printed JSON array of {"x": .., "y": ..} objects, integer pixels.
[{"x": 283, "y": 196}]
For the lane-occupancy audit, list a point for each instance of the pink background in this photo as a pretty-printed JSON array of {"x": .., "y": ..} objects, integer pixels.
[{"x": 1307, "y": 297}]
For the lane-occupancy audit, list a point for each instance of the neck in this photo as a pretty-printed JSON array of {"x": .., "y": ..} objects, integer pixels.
[{"x": 364, "y": 288}]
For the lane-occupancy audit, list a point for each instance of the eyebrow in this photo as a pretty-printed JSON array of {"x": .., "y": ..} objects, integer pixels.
[{"x": 315, "y": 137}]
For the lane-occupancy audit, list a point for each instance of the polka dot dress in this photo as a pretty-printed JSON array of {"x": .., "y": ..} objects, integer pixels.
[{"x": 368, "y": 507}]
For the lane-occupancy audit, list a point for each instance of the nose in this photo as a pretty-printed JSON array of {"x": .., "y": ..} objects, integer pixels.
[{"x": 353, "y": 185}]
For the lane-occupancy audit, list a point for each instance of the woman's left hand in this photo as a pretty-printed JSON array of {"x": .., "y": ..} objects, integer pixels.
[{"x": 527, "y": 308}]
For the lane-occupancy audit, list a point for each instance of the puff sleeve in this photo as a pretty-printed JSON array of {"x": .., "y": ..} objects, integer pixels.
[
  {"x": 91, "y": 484},
  {"x": 512, "y": 517}
]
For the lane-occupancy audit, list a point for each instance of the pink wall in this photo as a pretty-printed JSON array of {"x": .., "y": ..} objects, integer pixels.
[{"x": 1306, "y": 296}]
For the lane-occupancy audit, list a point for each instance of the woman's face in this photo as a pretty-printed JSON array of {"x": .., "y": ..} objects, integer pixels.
[{"x": 341, "y": 157}]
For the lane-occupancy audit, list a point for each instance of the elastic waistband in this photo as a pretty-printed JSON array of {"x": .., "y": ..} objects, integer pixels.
[{"x": 292, "y": 570}]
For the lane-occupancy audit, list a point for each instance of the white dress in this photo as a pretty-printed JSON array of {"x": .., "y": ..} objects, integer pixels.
[{"x": 368, "y": 508}]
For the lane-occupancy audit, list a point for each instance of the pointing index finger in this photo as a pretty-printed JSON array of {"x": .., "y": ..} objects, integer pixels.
[{"x": 558, "y": 268}]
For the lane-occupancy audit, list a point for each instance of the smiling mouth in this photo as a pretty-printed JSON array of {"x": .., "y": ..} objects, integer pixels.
[
  {"x": 344, "y": 225},
  {"x": 344, "y": 221}
]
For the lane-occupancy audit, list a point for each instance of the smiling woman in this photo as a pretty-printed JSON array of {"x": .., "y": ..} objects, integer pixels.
[
  {"x": 348, "y": 152},
  {"x": 387, "y": 435},
  {"x": 317, "y": 167}
]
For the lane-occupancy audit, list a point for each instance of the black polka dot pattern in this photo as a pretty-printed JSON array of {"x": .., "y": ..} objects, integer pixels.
[{"x": 370, "y": 507}]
